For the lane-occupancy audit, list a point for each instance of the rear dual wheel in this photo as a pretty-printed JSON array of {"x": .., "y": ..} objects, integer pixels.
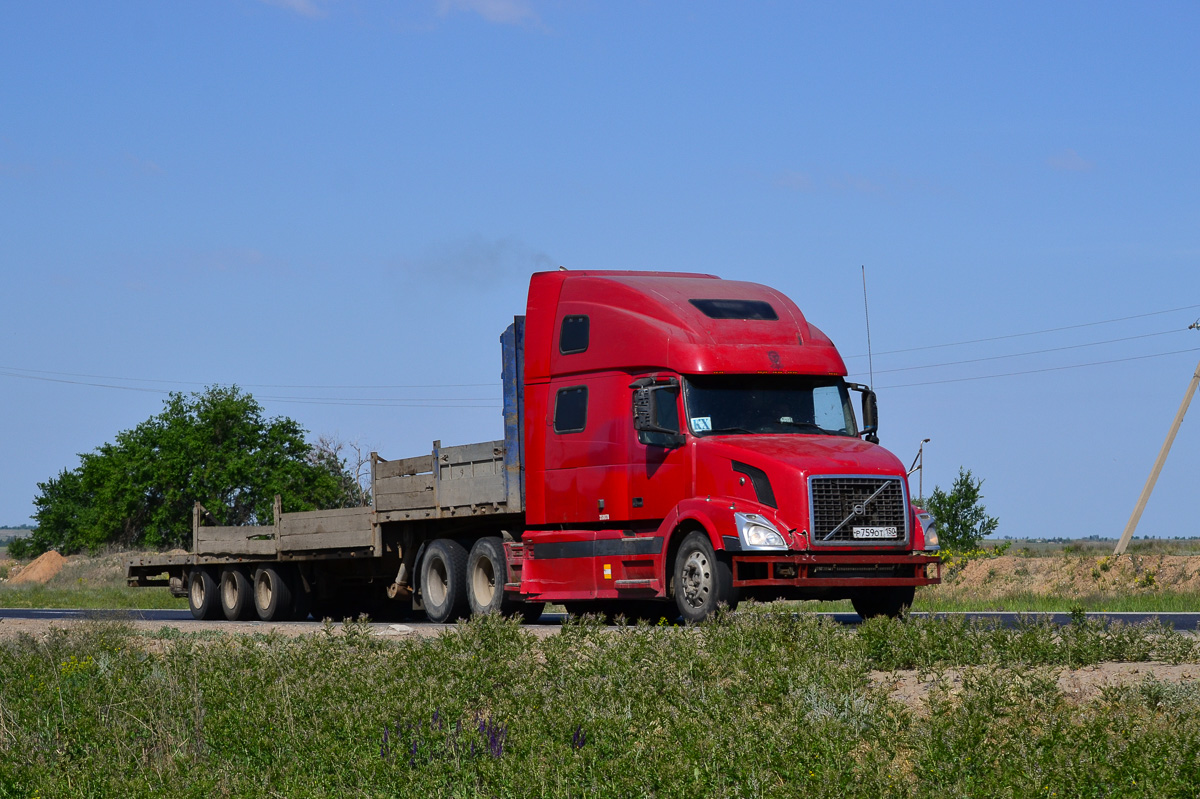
[
  {"x": 203, "y": 599},
  {"x": 279, "y": 594},
  {"x": 487, "y": 573},
  {"x": 455, "y": 582},
  {"x": 237, "y": 594},
  {"x": 444, "y": 581}
]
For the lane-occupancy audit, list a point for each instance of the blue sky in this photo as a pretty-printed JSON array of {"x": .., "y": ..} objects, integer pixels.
[{"x": 332, "y": 193}]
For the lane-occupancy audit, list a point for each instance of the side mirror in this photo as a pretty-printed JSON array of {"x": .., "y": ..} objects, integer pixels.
[
  {"x": 653, "y": 405},
  {"x": 870, "y": 412}
]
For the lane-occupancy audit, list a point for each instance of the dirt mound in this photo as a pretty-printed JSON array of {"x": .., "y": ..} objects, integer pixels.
[
  {"x": 42, "y": 569},
  {"x": 1072, "y": 576}
]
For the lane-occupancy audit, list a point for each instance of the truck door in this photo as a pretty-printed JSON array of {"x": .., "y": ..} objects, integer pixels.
[
  {"x": 585, "y": 452},
  {"x": 659, "y": 467}
]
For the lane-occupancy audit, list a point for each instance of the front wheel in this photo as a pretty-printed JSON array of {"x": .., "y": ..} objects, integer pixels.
[
  {"x": 703, "y": 580},
  {"x": 893, "y": 602}
]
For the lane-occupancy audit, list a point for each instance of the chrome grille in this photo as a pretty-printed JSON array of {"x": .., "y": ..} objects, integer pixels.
[{"x": 834, "y": 500}]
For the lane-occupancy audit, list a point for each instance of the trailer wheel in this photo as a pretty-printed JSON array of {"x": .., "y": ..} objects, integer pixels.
[
  {"x": 444, "y": 581},
  {"x": 237, "y": 596},
  {"x": 702, "y": 579},
  {"x": 202, "y": 594},
  {"x": 893, "y": 602},
  {"x": 272, "y": 594}
]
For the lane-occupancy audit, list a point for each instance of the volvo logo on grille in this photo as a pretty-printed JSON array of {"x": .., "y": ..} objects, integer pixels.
[{"x": 860, "y": 509}]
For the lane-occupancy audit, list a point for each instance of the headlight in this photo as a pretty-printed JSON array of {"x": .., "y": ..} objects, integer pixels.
[
  {"x": 756, "y": 532},
  {"x": 928, "y": 528}
]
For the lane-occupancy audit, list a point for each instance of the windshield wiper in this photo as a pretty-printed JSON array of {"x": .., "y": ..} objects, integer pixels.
[
  {"x": 811, "y": 426},
  {"x": 731, "y": 430}
]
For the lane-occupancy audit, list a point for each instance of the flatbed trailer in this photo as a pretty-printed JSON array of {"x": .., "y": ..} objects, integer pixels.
[{"x": 617, "y": 487}]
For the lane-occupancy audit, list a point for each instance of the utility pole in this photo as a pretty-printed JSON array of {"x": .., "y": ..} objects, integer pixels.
[{"x": 1162, "y": 458}]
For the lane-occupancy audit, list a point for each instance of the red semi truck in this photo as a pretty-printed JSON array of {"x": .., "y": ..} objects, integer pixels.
[{"x": 673, "y": 442}]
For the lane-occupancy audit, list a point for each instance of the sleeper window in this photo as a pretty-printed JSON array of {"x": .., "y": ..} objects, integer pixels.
[{"x": 570, "y": 409}]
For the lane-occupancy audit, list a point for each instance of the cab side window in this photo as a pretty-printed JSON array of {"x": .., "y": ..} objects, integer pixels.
[
  {"x": 570, "y": 409},
  {"x": 573, "y": 335}
]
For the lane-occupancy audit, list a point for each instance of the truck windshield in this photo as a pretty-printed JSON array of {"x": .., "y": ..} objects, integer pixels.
[{"x": 769, "y": 404}]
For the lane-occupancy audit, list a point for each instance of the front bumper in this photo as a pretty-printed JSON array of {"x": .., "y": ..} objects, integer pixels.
[{"x": 835, "y": 570}]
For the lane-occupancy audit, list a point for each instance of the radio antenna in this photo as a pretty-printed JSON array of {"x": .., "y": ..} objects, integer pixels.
[{"x": 867, "y": 314}]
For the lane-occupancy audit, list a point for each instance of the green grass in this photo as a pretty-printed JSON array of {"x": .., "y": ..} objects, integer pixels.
[
  {"x": 759, "y": 704},
  {"x": 87, "y": 597},
  {"x": 88, "y": 583}
]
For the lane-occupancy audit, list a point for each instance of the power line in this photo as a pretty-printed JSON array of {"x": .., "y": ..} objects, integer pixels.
[
  {"x": 371, "y": 404},
  {"x": 1030, "y": 352},
  {"x": 1034, "y": 332},
  {"x": 10, "y": 369},
  {"x": 1039, "y": 371},
  {"x": 82, "y": 383},
  {"x": 400, "y": 402}
]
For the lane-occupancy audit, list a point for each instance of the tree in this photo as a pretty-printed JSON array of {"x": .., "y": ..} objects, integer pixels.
[
  {"x": 353, "y": 477},
  {"x": 962, "y": 520},
  {"x": 215, "y": 447}
]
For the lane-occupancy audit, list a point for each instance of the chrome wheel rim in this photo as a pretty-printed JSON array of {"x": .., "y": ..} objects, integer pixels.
[{"x": 697, "y": 580}]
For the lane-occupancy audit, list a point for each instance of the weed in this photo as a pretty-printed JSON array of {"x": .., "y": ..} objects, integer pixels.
[{"x": 766, "y": 703}]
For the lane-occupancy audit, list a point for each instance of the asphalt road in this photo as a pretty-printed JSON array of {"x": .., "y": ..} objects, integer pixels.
[{"x": 1179, "y": 621}]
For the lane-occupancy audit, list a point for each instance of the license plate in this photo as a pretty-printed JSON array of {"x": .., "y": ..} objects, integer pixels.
[{"x": 874, "y": 532}]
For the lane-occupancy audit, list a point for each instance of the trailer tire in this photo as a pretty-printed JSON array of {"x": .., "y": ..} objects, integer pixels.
[
  {"x": 444, "y": 581},
  {"x": 237, "y": 595},
  {"x": 892, "y": 602},
  {"x": 703, "y": 579},
  {"x": 272, "y": 594},
  {"x": 203, "y": 596}
]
